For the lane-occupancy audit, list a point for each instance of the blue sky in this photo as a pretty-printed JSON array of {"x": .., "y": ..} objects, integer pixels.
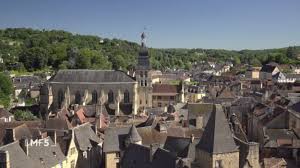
[{"x": 228, "y": 24}]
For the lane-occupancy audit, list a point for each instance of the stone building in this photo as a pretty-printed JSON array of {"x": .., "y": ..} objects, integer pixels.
[
  {"x": 217, "y": 148},
  {"x": 113, "y": 90},
  {"x": 143, "y": 76}
]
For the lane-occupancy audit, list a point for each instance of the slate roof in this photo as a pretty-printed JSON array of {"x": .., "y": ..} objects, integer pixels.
[
  {"x": 50, "y": 155},
  {"x": 92, "y": 76},
  {"x": 295, "y": 107},
  {"x": 217, "y": 137},
  {"x": 22, "y": 82},
  {"x": 165, "y": 88},
  {"x": 114, "y": 138},
  {"x": 84, "y": 136},
  {"x": 149, "y": 122},
  {"x": 17, "y": 156},
  {"x": 163, "y": 159},
  {"x": 4, "y": 113},
  {"x": 32, "y": 125},
  {"x": 136, "y": 156},
  {"x": 277, "y": 135},
  {"x": 133, "y": 135},
  {"x": 268, "y": 68},
  {"x": 181, "y": 147}
]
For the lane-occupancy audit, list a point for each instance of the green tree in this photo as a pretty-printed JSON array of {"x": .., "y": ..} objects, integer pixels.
[
  {"x": 34, "y": 58},
  {"x": 21, "y": 115},
  {"x": 291, "y": 52},
  {"x": 6, "y": 89}
]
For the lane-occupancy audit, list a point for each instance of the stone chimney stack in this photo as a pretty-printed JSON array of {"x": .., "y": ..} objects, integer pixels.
[
  {"x": 4, "y": 159},
  {"x": 253, "y": 155},
  {"x": 192, "y": 138}
]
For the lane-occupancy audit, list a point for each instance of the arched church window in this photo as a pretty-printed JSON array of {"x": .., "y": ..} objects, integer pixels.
[
  {"x": 77, "y": 97},
  {"x": 110, "y": 96},
  {"x": 61, "y": 98},
  {"x": 94, "y": 97},
  {"x": 126, "y": 96}
]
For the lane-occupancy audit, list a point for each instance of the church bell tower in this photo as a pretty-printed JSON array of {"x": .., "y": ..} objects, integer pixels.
[{"x": 143, "y": 76}]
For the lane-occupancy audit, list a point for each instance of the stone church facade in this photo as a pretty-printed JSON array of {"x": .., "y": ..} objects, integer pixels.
[{"x": 116, "y": 91}]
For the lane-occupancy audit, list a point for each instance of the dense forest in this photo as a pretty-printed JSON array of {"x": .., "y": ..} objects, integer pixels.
[{"x": 23, "y": 49}]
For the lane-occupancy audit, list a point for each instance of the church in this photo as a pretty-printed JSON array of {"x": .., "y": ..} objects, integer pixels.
[{"x": 113, "y": 90}]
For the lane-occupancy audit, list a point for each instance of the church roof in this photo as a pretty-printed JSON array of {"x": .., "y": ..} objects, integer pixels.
[
  {"x": 91, "y": 76},
  {"x": 217, "y": 137}
]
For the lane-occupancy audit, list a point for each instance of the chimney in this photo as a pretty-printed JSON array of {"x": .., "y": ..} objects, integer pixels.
[
  {"x": 4, "y": 159},
  {"x": 24, "y": 145},
  {"x": 53, "y": 136},
  {"x": 192, "y": 138},
  {"x": 94, "y": 128}
]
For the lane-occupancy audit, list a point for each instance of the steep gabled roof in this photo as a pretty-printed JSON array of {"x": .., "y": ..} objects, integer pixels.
[
  {"x": 91, "y": 76},
  {"x": 84, "y": 136},
  {"x": 136, "y": 156},
  {"x": 18, "y": 157},
  {"x": 217, "y": 137},
  {"x": 48, "y": 155},
  {"x": 163, "y": 159},
  {"x": 133, "y": 135}
]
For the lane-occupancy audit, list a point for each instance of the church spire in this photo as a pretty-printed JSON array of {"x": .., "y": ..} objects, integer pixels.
[
  {"x": 143, "y": 39},
  {"x": 143, "y": 58}
]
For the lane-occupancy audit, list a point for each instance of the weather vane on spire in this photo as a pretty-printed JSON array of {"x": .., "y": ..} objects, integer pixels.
[{"x": 143, "y": 37}]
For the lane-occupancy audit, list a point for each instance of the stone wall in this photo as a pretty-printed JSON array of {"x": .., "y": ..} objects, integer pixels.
[
  {"x": 229, "y": 160},
  {"x": 111, "y": 160},
  {"x": 206, "y": 160}
]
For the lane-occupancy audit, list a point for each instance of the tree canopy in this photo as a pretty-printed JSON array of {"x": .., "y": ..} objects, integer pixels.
[
  {"x": 6, "y": 90},
  {"x": 25, "y": 49}
]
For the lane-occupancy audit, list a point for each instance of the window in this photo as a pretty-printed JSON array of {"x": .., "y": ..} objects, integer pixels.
[
  {"x": 145, "y": 82},
  {"x": 159, "y": 104},
  {"x": 172, "y": 98},
  {"x": 77, "y": 97},
  {"x": 218, "y": 164},
  {"x": 141, "y": 74},
  {"x": 61, "y": 98},
  {"x": 118, "y": 155},
  {"x": 146, "y": 75},
  {"x": 140, "y": 101},
  {"x": 110, "y": 96},
  {"x": 142, "y": 83},
  {"x": 126, "y": 96},
  {"x": 72, "y": 164},
  {"x": 72, "y": 151},
  {"x": 158, "y": 97},
  {"x": 94, "y": 97},
  {"x": 146, "y": 101}
]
